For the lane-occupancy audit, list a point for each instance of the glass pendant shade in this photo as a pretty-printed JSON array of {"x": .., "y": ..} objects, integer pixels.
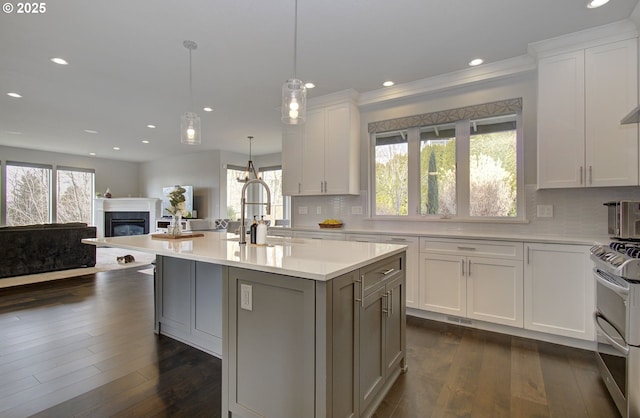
[
  {"x": 190, "y": 129},
  {"x": 294, "y": 102}
]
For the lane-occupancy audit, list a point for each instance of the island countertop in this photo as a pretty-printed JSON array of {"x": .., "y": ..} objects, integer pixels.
[{"x": 307, "y": 258}]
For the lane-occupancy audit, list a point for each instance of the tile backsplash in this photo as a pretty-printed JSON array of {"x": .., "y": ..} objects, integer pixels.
[{"x": 576, "y": 213}]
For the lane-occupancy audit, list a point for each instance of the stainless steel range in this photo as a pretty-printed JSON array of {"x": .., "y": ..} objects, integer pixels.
[{"x": 617, "y": 319}]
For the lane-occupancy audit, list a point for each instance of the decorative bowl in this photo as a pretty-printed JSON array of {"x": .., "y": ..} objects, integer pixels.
[{"x": 330, "y": 226}]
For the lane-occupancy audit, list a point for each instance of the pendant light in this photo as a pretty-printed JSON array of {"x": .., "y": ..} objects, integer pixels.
[
  {"x": 294, "y": 92},
  {"x": 251, "y": 170},
  {"x": 190, "y": 121}
]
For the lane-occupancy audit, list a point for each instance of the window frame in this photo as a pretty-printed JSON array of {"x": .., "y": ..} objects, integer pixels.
[{"x": 463, "y": 134}]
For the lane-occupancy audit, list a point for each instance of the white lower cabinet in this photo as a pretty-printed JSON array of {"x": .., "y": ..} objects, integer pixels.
[
  {"x": 472, "y": 279},
  {"x": 559, "y": 290}
]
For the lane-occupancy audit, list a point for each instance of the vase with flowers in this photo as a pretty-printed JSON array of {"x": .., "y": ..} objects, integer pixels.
[{"x": 177, "y": 208}]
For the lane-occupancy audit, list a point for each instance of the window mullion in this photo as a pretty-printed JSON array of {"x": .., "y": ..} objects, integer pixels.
[
  {"x": 413, "y": 139},
  {"x": 462, "y": 167}
]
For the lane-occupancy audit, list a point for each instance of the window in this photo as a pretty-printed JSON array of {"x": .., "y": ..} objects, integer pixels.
[
  {"x": 467, "y": 169},
  {"x": 28, "y": 194},
  {"x": 75, "y": 190},
  {"x": 255, "y": 193},
  {"x": 234, "y": 191},
  {"x": 392, "y": 173},
  {"x": 273, "y": 177}
]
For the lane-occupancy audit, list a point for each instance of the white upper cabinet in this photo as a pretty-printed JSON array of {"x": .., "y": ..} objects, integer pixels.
[
  {"x": 582, "y": 96},
  {"x": 322, "y": 156}
]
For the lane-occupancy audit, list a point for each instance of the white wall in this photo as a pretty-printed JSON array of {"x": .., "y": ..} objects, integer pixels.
[
  {"x": 120, "y": 177},
  {"x": 200, "y": 170}
]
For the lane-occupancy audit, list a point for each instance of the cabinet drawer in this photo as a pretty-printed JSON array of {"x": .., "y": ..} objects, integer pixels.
[
  {"x": 379, "y": 272},
  {"x": 502, "y": 249}
]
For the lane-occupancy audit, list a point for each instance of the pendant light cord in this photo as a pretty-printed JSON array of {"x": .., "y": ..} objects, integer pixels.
[
  {"x": 295, "y": 39},
  {"x": 190, "y": 83}
]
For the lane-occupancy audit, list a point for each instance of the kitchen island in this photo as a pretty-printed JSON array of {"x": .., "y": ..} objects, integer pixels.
[{"x": 305, "y": 328}]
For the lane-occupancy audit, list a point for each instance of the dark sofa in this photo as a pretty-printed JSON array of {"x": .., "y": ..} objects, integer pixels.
[{"x": 34, "y": 249}]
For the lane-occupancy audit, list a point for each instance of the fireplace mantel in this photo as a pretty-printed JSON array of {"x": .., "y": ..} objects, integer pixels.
[{"x": 125, "y": 204}]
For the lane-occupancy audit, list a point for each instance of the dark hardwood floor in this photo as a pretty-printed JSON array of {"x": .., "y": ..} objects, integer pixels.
[{"x": 84, "y": 347}]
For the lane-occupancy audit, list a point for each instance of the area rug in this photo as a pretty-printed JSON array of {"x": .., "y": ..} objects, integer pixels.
[{"x": 105, "y": 261}]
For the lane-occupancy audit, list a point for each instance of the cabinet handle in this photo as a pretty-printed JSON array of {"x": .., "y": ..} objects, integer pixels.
[
  {"x": 390, "y": 302},
  {"x": 590, "y": 174},
  {"x": 325, "y": 186},
  {"x": 469, "y": 269},
  {"x": 581, "y": 176},
  {"x": 466, "y": 248},
  {"x": 299, "y": 187},
  {"x": 386, "y": 272},
  {"x": 462, "y": 264},
  {"x": 528, "y": 254},
  {"x": 385, "y": 303},
  {"x": 361, "y": 281},
  {"x": 399, "y": 239}
]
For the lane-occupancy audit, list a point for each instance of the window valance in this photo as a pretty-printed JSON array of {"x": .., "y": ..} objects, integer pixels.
[{"x": 499, "y": 108}]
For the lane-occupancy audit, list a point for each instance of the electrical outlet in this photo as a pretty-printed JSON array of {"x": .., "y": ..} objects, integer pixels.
[
  {"x": 246, "y": 297},
  {"x": 318, "y": 210},
  {"x": 302, "y": 210},
  {"x": 356, "y": 210},
  {"x": 545, "y": 211}
]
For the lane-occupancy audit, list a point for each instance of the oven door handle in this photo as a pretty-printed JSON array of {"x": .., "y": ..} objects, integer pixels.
[
  {"x": 597, "y": 316},
  {"x": 623, "y": 291}
]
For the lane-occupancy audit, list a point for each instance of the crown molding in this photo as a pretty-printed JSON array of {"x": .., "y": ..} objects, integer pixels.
[
  {"x": 466, "y": 77},
  {"x": 348, "y": 95},
  {"x": 599, "y": 35}
]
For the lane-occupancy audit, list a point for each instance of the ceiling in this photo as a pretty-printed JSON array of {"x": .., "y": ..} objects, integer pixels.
[{"x": 128, "y": 67}]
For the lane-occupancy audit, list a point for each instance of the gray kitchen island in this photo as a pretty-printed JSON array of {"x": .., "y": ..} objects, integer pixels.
[{"x": 305, "y": 328}]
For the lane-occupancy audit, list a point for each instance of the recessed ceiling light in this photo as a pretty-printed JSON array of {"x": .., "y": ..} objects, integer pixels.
[
  {"x": 90, "y": 131},
  {"x": 13, "y": 94},
  {"x": 388, "y": 83},
  {"x": 592, "y": 4},
  {"x": 116, "y": 148},
  {"x": 59, "y": 61},
  {"x": 151, "y": 126},
  {"x": 309, "y": 85},
  {"x": 145, "y": 141},
  {"x": 475, "y": 62},
  {"x": 207, "y": 109},
  {"x": 92, "y": 153}
]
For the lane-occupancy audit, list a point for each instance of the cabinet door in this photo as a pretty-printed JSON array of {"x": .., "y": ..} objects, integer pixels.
[
  {"x": 175, "y": 286},
  {"x": 372, "y": 346},
  {"x": 561, "y": 121},
  {"x": 338, "y": 157},
  {"x": 559, "y": 290},
  {"x": 292, "y": 137},
  {"x": 207, "y": 306},
  {"x": 494, "y": 290},
  {"x": 611, "y": 80},
  {"x": 345, "y": 349},
  {"x": 313, "y": 153},
  {"x": 273, "y": 337},
  {"x": 396, "y": 324},
  {"x": 442, "y": 284}
]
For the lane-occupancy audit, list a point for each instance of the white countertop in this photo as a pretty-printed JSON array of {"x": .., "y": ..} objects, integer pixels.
[
  {"x": 307, "y": 258},
  {"x": 523, "y": 237}
]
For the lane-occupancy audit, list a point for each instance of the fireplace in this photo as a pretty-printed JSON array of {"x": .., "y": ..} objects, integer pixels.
[
  {"x": 125, "y": 223},
  {"x": 133, "y": 216}
]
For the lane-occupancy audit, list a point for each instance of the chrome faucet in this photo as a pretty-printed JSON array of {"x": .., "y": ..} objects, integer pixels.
[{"x": 243, "y": 203}]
